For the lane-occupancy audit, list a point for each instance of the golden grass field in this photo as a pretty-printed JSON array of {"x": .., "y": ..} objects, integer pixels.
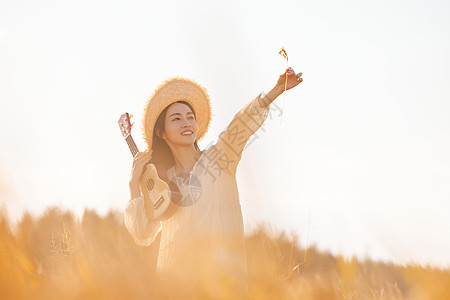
[{"x": 54, "y": 256}]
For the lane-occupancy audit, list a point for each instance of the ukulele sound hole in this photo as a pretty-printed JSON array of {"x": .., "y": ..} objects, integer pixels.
[{"x": 150, "y": 184}]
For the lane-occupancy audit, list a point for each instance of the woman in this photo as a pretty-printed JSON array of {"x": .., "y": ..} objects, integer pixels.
[{"x": 205, "y": 236}]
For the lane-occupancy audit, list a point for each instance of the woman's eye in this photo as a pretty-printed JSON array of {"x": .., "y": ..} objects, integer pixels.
[{"x": 179, "y": 118}]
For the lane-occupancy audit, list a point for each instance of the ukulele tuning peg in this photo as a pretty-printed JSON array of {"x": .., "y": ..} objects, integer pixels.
[{"x": 131, "y": 115}]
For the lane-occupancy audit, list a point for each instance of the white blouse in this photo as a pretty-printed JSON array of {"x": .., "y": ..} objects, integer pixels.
[{"x": 208, "y": 225}]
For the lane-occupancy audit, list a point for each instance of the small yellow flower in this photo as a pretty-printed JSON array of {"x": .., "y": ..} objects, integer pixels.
[{"x": 283, "y": 53}]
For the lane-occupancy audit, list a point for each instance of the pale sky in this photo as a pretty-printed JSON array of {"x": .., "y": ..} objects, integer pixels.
[{"x": 358, "y": 166}]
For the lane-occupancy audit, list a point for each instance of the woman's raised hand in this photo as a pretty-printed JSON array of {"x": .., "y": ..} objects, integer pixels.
[
  {"x": 293, "y": 79},
  {"x": 139, "y": 162}
]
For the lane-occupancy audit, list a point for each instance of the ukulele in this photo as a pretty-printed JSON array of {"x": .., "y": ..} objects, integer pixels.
[{"x": 157, "y": 195}]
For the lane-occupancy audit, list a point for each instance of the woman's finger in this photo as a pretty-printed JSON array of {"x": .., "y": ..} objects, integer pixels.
[
  {"x": 140, "y": 157},
  {"x": 146, "y": 152},
  {"x": 144, "y": 158}
]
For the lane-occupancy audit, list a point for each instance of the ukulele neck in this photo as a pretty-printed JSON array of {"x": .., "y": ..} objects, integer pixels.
[{"x": 132, "y": 145}]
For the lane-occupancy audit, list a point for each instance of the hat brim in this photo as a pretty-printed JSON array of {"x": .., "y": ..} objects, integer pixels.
[{"x": 173, "y": 90}]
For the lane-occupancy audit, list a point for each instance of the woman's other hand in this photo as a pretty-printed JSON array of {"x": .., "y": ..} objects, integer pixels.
[
  {"x": 293, "y": 79},
  {"x": 139, "y": 162}
]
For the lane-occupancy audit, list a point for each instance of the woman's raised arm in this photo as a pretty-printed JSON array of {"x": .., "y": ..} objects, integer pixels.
[
  {"x": 291, "y": 81},
  {"x": 227, "y": 151}
]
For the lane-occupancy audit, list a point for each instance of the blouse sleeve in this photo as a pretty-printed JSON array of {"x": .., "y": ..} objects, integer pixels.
[
  {"x": 143, "y": 231},
  {"x": 233, "y": 139}
]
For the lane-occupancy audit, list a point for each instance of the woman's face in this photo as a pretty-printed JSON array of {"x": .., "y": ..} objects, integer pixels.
[{"x": 180, "y": 125}]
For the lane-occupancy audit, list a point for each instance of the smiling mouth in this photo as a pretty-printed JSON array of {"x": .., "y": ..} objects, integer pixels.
[{"x": 187, "y": 132}]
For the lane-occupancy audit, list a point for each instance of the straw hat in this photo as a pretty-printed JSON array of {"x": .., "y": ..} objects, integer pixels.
[{"x": 171, "y": 91}]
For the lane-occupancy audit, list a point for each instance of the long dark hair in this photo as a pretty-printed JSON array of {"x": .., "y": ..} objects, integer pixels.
[{"x": 162, "y": 155}]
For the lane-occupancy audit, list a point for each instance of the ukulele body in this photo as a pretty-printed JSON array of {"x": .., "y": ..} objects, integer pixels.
[{"x": 157, "y": 195}]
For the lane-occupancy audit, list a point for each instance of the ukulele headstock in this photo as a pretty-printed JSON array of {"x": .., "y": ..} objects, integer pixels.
[{"x": 125, "y": 124}]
